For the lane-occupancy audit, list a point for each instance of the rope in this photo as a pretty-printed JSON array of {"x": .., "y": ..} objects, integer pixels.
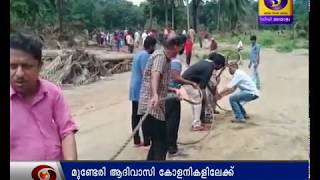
[
  {"x": 136, "y": 129},
  {"x": 148, "y": 111}
]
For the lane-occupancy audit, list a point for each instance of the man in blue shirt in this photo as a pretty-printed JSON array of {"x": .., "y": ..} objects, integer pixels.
[
  {"x": 255, "y": 60},
  {"x": 138, "y": 66},
  {"x": 248, "y": 92}
]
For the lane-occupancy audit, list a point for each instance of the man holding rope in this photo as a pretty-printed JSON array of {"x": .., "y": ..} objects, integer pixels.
[
  {"x": 173, "y": 106},
  {"x": 248, "y": 92},
  {"x": 201, "y": 73},
  {"x": 154, "y": 88},
  {"x": 138, "y": 65}
]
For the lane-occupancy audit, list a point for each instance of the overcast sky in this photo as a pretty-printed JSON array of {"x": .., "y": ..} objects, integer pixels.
[{"x": 136, "y": 2}]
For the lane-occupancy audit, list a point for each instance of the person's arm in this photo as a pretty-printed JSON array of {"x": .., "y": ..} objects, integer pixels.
[
  {"x": 143, "y": 62},
  {"x": 155, "y": 78},
  {"x": 226, "y": 91},
  {"x": 157, "y": 70},
  {"x": 231, "y": 87},
  {"x": 69, "y": 147},
  {"x": 66, "y": 127},
  {"x": 175, "y": 75}
]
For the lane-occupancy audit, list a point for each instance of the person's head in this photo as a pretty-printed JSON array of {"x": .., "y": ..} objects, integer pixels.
[
  {"x": 150, "y": 44},
  {"x": 218, "y": 60},
  {"x": 213, "y": 45},
  {"x": 25, "y": 62},
  {"x": 183, "y": 40},
  {"x": 233, "y": 66},
  {"x": 173, "y": 46},
  {"x": 253, "y": 39}
]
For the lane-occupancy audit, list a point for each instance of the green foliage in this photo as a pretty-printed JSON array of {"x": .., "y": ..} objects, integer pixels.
[
  {"x": 110, "y": 14},
  {"x": 217, "y": 15},
  {"x": 286, "y": 46},
  {"x": 266, "y": 38}
]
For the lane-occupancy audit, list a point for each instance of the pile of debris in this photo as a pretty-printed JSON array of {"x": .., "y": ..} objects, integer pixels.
[{"x": 78, "y": 67}]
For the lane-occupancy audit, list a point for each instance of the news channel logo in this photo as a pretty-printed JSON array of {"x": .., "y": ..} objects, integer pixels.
[
  {"x": 44, "y": 172},
  {"x": 276, "y": 4},
  {"x": 39, "y": 170},
  {"x": 275, "y": 11}
]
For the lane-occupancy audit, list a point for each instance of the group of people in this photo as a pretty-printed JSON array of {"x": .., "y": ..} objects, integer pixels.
[
  {"x": 41, "y": 124},
  {"x": 120, "y": 39},
  {"x": 157, "y": 74}
]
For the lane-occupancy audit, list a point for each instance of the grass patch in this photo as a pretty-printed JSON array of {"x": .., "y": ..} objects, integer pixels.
[
  {"x": 290, "y": 45},
  {"x": 286, "y": 46},
  {"x": 233, "y": 55},
  {"x": 266, "y": 38}
]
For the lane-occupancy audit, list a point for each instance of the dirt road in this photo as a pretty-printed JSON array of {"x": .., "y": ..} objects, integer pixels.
[{"x": 278, "y": 128}]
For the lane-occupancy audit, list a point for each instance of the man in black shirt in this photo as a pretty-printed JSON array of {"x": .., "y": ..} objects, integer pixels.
[{"x": 201, "y": 73}]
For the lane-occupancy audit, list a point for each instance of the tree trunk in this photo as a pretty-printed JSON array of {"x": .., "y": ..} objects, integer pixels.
[
  {"x": 194, "y": 14},
  {"x": 166, "y": 11},
  {"x": 188, "y": 15},
  {"x": 172, "y": 15},
  {"x": 150, "y": 26},
  {"x": 60, "y": 10},
  {"x": 218, "y": 21}
]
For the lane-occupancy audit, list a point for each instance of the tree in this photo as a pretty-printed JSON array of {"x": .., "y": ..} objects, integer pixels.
[
  {"x": 230, "y": 11},
  {"x": 166, "y": 11},
  {"x": 188, "y": 13},
  {"x": 195, "y": 5},
  {"x": 174, "y": 4},
  {"x": 60, "y": 10}
]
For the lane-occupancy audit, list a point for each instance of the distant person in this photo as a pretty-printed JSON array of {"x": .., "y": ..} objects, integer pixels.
[
  {"x": 201, "y": 73},
  {"x": 239, "y": 49},
  {"x": 255, "y": 60},
  {"x": 99, "y": 38},
  {"x": 144, "y": 36},
  {"x": 130, "y": 42},
  {"x": 117, "y": 40},
  {"x": 138, "y": 65},
  {"x": 137, "y": 39},
  {"x": 154, "y": 87},
  {"x": 41, "y": 124},
  {"x": 213, "y": 45},
  {"x": 166, "y": 33},
  {"x": 192, "y": 34},
  {"x": 248, "y": 92},
  {"x": 188, "y": 50},
  {"x": 171, "y": 34},
  {"x": 184, "y": 32}
]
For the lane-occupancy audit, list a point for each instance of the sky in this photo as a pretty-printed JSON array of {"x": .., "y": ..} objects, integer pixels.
[{"x": 136, "y": 2}]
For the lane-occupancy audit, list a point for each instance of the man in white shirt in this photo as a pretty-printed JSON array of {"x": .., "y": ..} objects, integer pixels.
[
  {"x": 130, "y": 42},
  {"x": 184, "y": 32},
  {"x": 136, "y": 38},
  {"x": 248, "y": 92},
  {"x": 239, "y": 49},
  {"x": 144, "y": 36}
]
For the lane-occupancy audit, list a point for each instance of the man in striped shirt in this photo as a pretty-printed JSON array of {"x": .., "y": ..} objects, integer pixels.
[{"x": 155, "y": 87}]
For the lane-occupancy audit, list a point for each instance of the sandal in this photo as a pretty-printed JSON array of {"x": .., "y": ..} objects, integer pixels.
[{"x": 197, "y": 128}]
